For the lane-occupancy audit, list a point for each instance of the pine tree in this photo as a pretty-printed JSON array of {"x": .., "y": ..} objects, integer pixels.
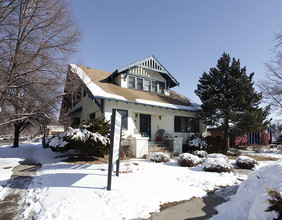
[{"x": 228, "y": 97}]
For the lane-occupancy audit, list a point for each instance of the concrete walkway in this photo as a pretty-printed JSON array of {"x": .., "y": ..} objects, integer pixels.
[
  {"x": 199, "y": 208},
  {"x": 17, "y": 189}
]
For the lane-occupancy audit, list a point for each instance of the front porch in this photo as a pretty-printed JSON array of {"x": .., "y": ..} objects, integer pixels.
[{"x": 141, "y": 145}]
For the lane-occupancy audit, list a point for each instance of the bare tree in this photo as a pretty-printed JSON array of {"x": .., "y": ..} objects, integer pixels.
[
  {"x": 272, "y": 86},
  {"x": 36, "y": 39}
]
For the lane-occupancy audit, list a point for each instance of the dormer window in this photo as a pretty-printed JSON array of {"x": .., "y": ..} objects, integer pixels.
[
  {"x": 131, "y": 82},
  {"x": 149, "y": 85},
  {"x": 139, "y": 84}
]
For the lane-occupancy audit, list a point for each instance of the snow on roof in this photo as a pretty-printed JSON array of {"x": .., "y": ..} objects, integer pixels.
[
  {"x": 94, "y": 89},
  {"x": 94, "y": 80},
  {"x": 193, "y": 107}
]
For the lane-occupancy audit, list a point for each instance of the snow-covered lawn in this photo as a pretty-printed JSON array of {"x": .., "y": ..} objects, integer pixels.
[{"x": 68, "y": 191}]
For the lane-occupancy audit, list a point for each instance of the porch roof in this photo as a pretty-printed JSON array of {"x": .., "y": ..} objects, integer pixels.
[{"x": 97, "y": 83}]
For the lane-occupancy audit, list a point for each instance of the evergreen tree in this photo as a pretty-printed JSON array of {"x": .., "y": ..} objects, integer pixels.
[{"x": 229, "y": 98}]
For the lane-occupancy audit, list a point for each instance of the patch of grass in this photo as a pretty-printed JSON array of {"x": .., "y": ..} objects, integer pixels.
[
  {"x": 262, "y": 158},
  {"x": 85, "y": 159},
  {"x": 257, "y": 157}
]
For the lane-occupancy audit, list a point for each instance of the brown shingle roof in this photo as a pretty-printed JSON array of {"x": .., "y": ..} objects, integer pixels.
[{"x": 99, "y": 76}]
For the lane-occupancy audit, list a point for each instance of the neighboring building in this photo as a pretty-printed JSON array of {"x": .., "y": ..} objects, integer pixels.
[
  {"x": 53, "y": 130},
  {"x": 260, "y": 138},
  {"x": 141, "y": 92}
]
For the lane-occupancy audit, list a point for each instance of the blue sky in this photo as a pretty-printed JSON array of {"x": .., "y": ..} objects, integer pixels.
[{"x": 186, "y": 36}]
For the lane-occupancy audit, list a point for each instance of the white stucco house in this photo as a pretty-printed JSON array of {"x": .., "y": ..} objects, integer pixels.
[{"x": 141, "y": 92}]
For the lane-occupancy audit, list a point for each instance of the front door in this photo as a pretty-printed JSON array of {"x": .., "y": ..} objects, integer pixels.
[{"x": 145, "y": 124}]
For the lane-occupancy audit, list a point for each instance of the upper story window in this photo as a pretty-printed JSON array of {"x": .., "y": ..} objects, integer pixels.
[
  {"x": 145, "y": 84},
  {"x": 139, "y": 84},
  {"x": 131, "y": 82},
  {"x": 161, "y": 87},
  {"x": 154, "y": 86}
]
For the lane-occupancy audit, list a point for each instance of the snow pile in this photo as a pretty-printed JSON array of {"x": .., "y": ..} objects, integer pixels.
[
  {"x": 245, "y": 162},
  {"x": 200, "y": 153},
  {"x": 217, "y": 163},
  {"x": 159, "y": 157},
  {"x": 78, "y": 191},
  {"x": 189, "y": 160},
  {"x": 250, "y": 202}
]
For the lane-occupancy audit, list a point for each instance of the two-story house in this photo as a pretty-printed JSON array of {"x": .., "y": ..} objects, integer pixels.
[{"x": 141, "y": 92}]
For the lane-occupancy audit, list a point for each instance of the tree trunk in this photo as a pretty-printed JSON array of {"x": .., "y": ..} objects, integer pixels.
[
  {"x": 226, "y": 137},
  {"x": 44, "y": 136},
  {"x": 16, "y": 134}
]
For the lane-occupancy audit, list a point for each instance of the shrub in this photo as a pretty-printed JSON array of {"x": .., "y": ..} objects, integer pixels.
[
  {"x": 90, "y": 138},
  {"x": 217, "y": 163},
  {"x": 200, "y": 153},
  {"x": 125, "y": 151},
  {"x": 258, "y": 148},
  {"x": 58, "y": 144},
  {"x": 245, "y": 162},
  {"x": 159, "y": 157},
  {"x": 234, "y": 153},
  {"x": 215, "y": 144},
  {"x": 275, "y": 202},
  {"x": 198, "y": 142},
  {"x": 189, "y": 160}
]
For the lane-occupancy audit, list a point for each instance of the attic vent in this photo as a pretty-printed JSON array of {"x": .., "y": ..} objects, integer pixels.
[{"x": 152, "y": 64}]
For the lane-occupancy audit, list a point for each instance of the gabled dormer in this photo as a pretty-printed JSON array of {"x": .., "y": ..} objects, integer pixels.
[{"x": 147, "y": 75}]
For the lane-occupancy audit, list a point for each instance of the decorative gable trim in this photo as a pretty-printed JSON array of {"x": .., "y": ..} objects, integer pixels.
[{"x": 150, "y": 63}]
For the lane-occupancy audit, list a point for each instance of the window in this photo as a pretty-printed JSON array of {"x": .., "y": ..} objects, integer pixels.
[
  {"x": 186, "y": 124},
  {"x": 147, "y": 86},
  {"x": 154, "y": 86},
  {"x": 92, "y": 116},
  {"x": 139, "y": 83},
  {"x": 124, "y": 116},
  {"x": 76, "y": 122},
  {"x": 161, "y": 87},
  {"x": 131, "y": 82}
]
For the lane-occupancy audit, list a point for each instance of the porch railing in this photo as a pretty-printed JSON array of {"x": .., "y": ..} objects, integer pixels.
[
  {"x": 174, "y": 141},
  {"x": 152, "y": 146}
]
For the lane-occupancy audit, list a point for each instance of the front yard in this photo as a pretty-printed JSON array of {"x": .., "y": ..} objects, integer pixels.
[{"x": 63, "y": 190}]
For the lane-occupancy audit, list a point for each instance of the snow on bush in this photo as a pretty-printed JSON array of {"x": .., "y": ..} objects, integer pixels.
[
  {"x": 84, "y": 134},
  {"x": 189, "y": 160},
  {"x": 217, "y": 163},
  {"x": 57, "y": 142},
  {"x": 198, "y": 142},
  {"x": 250, "y": 201},
  {"x": 200, "y": 153},
  {"x": 245, "y": 162},
  {"x": 159, "y": 157},
  {"x": 81, "y": 139}
]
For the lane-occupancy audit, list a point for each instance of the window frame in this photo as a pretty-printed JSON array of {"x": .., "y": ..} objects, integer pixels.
[
  {"x": 124, "y": 117},
  {"x": 183, "y": 124},
  {"x": 153, "y": 84}
]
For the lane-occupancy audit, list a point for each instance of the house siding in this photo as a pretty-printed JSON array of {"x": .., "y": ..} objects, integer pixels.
[{"x": 161, "y": 118}]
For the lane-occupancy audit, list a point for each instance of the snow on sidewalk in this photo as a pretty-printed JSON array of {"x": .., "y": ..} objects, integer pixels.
[{"x": 68, "y": 191}]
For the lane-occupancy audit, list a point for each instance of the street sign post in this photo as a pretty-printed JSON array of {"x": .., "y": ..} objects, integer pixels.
[{"x": 114, "y": 145}]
